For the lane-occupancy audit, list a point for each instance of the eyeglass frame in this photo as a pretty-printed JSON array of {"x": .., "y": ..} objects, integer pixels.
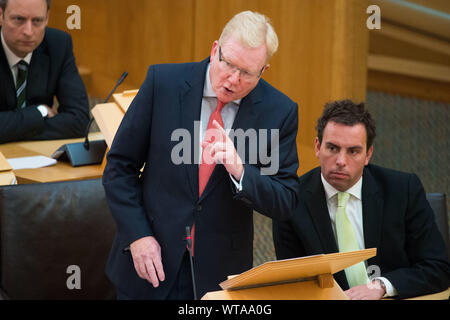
[{"x": 234, "y": 68}]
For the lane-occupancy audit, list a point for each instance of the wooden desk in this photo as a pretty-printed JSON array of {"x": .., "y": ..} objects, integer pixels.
[
  {"x": 443, "y": 295},
  {"x": 62, "y": 171}
]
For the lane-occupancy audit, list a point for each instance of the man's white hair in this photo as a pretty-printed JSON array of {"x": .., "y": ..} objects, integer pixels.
[{"x": 251, "y": 29}]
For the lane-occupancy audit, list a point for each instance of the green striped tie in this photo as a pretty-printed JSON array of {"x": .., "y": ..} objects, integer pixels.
[
  {"x": 356, "y": 274},
  {"x": 21, "y": 84}
]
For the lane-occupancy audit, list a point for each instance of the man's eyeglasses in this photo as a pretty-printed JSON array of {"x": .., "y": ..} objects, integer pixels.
[{"x": 244, "y": 74}]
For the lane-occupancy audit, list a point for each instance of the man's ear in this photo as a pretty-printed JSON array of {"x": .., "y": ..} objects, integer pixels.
[
  {"x": 48, "y": 17},
  {"x": 316, "y": 146},
  {"x": 214, "y": 50},
  {"x": 369, "y": 155},
  {"x": 267, "y": 66}
]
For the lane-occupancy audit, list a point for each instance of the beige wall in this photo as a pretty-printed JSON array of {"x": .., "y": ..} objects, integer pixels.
[{"x": 322, "y": 54}]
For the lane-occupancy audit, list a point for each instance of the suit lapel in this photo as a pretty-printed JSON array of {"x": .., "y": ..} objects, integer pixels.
[
  {"x": 190, "y": 107},
  {"x": 38, "y": 74},
  {"x": 318, "y": 209},
  {"x": 372, "y": 203},
  {"x": 246, "y": 116},
  {"x": 7, "y": 85}
]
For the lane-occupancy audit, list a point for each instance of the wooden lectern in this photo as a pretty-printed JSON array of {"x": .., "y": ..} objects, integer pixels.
[
  {"x": 109, "y": 115},
  {"x": 306, "y": 278}
]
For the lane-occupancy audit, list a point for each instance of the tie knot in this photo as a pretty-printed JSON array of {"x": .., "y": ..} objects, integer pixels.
[
  {"x": 220, "y": 105},
  {"x": 343, "y": 198},
  {"x": 22, "y": 65}
]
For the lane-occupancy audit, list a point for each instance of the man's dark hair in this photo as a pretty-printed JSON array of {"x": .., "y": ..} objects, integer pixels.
[
  {"x": 348, "y": 113},
  {"x": 3, "y": 4}
]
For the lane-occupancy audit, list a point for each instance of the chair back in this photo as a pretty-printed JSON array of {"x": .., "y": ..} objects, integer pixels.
[{"x": 55, "y": 240}]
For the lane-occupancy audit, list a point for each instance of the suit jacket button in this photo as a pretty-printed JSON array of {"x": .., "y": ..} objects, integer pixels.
[{"x": 199, "y": 207}]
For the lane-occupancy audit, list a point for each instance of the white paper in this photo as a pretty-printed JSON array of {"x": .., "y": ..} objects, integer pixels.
[{"x": 31, "y": 162}]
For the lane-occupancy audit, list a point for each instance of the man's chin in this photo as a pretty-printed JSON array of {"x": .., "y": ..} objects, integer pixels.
[
  {"x": 339, "y": 184},
  {"x": 226, "y": 96}
]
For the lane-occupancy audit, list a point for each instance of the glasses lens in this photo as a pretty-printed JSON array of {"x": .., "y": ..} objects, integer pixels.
[{"x": 230, "y": 68}]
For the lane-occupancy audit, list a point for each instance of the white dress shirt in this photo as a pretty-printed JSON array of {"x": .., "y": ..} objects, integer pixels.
[
  {"x": 355, "y": 215},
  {"x": 13, "y": 60},
  {"x": 228, "y": 113}
]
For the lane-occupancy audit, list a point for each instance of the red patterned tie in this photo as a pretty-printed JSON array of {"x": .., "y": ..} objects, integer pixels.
[{"x": 206, "y": 169}]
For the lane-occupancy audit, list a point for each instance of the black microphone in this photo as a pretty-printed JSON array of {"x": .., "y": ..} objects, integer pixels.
[
  {"x": 86, "y": 140},
  {"x": 89, "y": 152},
  {"x": 189, "y": 246}
]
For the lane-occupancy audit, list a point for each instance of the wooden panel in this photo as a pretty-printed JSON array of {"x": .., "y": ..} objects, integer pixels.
[
  {"x": 7, "y": 178},
  {"x": 421, "y": 18},
  {"x": 408, "y": 86},
  {"x": 118, "y": 36},
  {"x": 299, "y": 278},
  {"x": 441, "y": 5},
  {"x": 404, "y": 60},
  {"x": 402, "y": 42},
  {"x": 108, "y": 117},
  {"x": 409, "y": 68},
  {"x": 4, "y": 164},
  {"x": 307, "y": 290},
  {"x": 289, "y": 270}
]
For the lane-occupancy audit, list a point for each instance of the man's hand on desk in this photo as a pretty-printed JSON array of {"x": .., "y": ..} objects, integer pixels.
[
  {"x": 146, "y": 254},
  {"x": 371, "y": 291}
]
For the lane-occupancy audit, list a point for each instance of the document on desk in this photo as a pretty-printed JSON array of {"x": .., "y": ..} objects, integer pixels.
[{"x": 31, "y": 162}]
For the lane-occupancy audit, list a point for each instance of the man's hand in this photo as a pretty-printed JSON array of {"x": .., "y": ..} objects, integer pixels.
[
  {"x": 146, "y": 254},
  {"x": 51, "y": 111},
  {"x": 371, "y": 291},
  {"x": 222, "y": 150}
]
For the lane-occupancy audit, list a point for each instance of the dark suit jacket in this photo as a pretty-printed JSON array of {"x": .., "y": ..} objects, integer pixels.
[
  {"x": 52, "y": 72},
  {"x": 397, "y": 220},
  {"x": 164, "y": 199}
]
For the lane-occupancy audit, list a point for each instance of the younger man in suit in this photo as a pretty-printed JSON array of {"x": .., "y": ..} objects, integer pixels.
[
  {"x": 37, "y": 64},
  {"x": 347, "y": 204}
]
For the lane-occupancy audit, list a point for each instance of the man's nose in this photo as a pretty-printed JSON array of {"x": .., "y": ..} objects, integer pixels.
[
  {"x": 28, "y": 28},
  {"x": 341, "y": 159},
  {"x": 235, "y": 76}
]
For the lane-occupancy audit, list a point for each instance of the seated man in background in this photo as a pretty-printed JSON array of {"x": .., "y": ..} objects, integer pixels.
[
  {"x": 36, "y": 65},
  {"x": 347, "y": 204}
]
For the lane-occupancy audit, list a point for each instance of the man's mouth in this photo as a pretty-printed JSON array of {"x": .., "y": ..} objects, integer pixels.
[
  {"x": 228, "y": 90},
  {"x": 26, "y": 43},
  {"x": 338, "y": 174}
]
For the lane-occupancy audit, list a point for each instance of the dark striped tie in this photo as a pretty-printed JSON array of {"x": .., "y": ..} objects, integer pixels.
[{"x": 21, "y": 84}]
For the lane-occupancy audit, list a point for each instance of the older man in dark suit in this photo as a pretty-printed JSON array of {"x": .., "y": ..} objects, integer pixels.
[
  {"x": 347, "y": 204},
  {"x": 36, "y": 65},
  {"x": 216, "y": 198}
]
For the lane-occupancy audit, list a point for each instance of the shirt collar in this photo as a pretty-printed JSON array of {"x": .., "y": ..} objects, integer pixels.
[
  {"x": 11, "y": 57},
  {"x": 330, "y": 191},
  {"x": 208, "y": 90}
]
